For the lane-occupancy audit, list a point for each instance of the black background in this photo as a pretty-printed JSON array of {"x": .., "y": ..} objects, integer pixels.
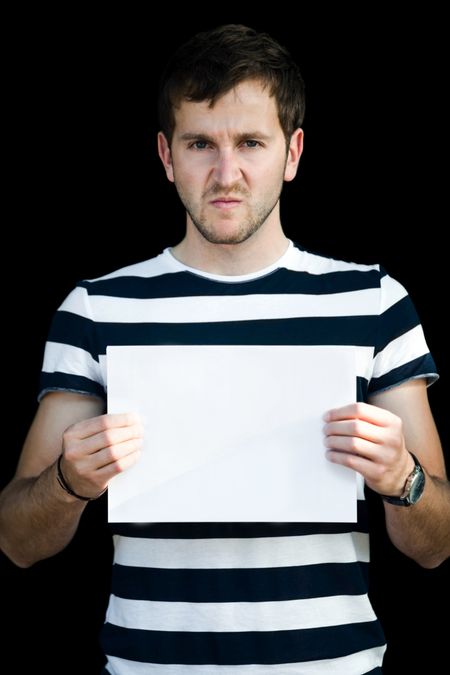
[{"x": 85, "y": 194}]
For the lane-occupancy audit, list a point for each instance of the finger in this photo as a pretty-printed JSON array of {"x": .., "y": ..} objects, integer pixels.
[
  {"x": 363, "y": 411},
  {"x": 75, "y": 447},
  {"x": 353, "y": 445},
  {"x": 356, "y": 427},
  {"x": 97, "y": 469},
  {"x": 109, "y": 455},
  {"x": 94, "y": 425},
  {"x": 117, "y": 452},
  {"x": 107, "y": 472},
  {"x": 371, "y": 471}
]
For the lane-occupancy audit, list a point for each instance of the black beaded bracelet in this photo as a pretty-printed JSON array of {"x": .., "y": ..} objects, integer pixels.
[{"x": 65, "y": 485}]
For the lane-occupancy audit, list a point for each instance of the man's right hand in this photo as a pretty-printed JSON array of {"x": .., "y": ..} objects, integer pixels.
[
  {"x": 37, "y": 517},
  {"x": 96, "y": 449}
]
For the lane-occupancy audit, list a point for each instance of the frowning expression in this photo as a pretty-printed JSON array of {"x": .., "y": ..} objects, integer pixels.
[{"x": 228, "y": 162}]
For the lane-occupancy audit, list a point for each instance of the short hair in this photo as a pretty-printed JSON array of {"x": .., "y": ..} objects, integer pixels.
[{"x": 212, "y": 63}]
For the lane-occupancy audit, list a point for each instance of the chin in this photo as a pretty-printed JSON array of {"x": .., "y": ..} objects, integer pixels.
[
  {"x": 226, "y": 231},
  {"x": 227, "y": 238}
]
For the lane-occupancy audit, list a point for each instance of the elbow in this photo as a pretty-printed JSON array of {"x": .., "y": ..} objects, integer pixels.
[
  {"x": 431, "y": 562},
  {"x": 429, "y": 559},
  {"x": 17, "y": 557},
  {"x": 22, "y": 563},
  {"x": 15, "y": 552}
]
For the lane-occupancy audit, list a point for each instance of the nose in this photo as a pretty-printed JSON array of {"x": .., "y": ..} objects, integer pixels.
[{"x": 226, "y": 169}]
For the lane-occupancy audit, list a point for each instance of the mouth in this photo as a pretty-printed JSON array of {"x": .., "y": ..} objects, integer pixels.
[{"x": 225, "y": 203}]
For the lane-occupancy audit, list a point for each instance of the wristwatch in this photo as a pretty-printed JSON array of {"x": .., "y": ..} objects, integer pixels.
[{"x": 413, "y": 489}]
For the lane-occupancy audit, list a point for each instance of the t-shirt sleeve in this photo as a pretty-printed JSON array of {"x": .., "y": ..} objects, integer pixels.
[
  {"x": 71, "y": 359},
  {"x": 401, "y": 352}
]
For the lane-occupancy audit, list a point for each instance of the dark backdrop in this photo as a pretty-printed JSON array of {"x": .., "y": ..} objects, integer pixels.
[{"x": 86, "y": 194}]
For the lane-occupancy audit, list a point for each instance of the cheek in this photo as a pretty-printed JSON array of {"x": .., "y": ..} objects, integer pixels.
[
  {"x": 267, "y": 181},
  {"x": 194, "y": 177},
  {"x": 187, "y": 178},
  {"x": 266, "y": 173},
  {"x": 189, "y": 184}
]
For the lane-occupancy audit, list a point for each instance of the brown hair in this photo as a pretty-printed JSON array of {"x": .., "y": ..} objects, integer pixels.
[{"x": 212, "y": 63}]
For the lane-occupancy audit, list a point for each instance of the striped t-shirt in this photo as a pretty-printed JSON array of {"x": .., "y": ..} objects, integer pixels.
[{"x": 241, "y": 598}]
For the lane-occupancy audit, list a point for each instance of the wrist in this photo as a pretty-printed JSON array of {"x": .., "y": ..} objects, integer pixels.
[
  {"x": 67, "y": 488},
  {"x": 413, "y": 487},
  {"x": 409, "y": 468},
  {"x": 61, "y": 494}
]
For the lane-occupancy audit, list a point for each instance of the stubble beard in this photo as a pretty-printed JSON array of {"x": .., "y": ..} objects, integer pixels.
[{"x": 240, "y": 233}]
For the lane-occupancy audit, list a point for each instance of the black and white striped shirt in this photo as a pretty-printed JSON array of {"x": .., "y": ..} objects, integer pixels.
[{"x": 241, "y": 598}]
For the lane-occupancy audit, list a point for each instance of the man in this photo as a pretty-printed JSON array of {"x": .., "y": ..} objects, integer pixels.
[{"x": 234, "y": 598}]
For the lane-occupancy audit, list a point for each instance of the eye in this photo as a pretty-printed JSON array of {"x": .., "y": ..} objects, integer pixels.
[
  {"x": 199, "y": 145},
  {"x": 251, "y": 143}
]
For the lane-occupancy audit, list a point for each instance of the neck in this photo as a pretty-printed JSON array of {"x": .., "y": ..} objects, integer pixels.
[{"x": 260, "y": 250}]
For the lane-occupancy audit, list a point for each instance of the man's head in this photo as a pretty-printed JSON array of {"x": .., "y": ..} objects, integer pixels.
[
  {"x": 210, "y": 64},
  {"x": 231, "y": 106}
]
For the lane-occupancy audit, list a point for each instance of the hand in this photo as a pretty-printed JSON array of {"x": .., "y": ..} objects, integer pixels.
[
  {"x": 369, "y": 440},
  {"x": 97, "y": 449}
]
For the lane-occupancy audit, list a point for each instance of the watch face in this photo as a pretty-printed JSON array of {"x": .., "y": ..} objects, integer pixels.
[{"x": 416, "y": 489}]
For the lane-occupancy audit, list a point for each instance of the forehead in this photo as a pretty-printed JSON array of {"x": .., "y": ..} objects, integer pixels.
[{"x": 249, "y": 103}]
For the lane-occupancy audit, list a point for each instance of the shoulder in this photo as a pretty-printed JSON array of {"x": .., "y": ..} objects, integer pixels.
[
  {"x": 338, "y": 276},
  {"x": 151, "y": 267},
  {"x": 127, "y": 281},
  {"x": 316, "y": 263},
  {"x": 334, "y": 276}
]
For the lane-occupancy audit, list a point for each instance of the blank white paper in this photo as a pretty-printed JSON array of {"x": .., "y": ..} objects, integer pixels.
[{"x": 232, "y": 433}]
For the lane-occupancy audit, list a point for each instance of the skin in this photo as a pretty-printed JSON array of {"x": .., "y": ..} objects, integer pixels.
[
  {"x": 374, "y": 440},
  {"x": 37, "y": 517},
  {"x": 228, "y": 163}
]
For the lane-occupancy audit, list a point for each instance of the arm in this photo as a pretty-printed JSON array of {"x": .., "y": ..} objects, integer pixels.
[
  {"x": 374, "y": 440},
  {"x": 37, "y": 517}
]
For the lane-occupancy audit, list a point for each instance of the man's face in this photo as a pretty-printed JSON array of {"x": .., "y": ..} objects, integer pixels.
[{"x": 228, "y": 163}]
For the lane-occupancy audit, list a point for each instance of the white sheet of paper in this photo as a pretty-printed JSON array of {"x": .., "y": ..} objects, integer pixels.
[{"x": 232, "y": 433}]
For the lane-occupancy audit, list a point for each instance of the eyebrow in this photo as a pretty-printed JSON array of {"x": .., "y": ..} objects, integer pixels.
[{"x": 189, "y": 136}]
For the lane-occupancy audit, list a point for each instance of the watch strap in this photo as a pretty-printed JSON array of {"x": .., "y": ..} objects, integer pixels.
[{"x": 404, "y": 499}]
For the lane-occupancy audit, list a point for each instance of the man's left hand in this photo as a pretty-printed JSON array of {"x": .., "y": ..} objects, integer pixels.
[{"x": 369, "y": 440}]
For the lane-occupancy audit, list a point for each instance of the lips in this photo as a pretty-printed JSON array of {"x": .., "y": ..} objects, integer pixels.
[
  {"x": 225, "y": 203},
  {"x": 225, "y": 199}
]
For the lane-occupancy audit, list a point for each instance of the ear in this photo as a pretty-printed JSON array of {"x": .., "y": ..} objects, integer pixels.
[
  {"x": 294, "y": 154},
  {"x": 165, "y": 155}
]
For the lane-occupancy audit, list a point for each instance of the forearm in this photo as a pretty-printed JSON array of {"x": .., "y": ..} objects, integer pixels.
[
  {"x": 422, "y": 531},
  {"x": 37, "y": 518}
]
